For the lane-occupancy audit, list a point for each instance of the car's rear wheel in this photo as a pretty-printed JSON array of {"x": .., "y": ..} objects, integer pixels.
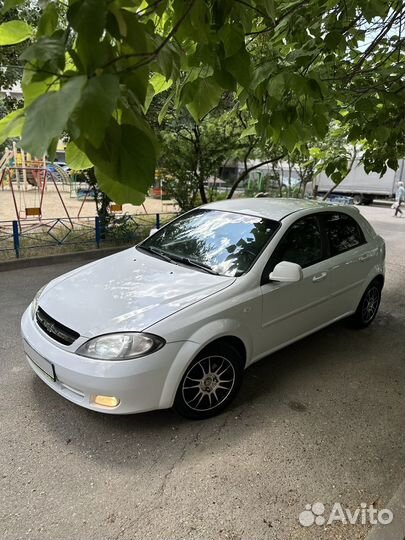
[
  {"x": 358, "y": 199},
  {"x": 368, "y": 306},
  {"x": 210, "y": 382}
]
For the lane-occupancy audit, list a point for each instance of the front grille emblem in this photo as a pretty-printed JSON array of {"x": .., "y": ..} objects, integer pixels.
[{"x": 54, "y": 329}]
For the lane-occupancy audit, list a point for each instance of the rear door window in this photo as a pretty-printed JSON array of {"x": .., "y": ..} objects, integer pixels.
[{"x": 343, "y": 232}]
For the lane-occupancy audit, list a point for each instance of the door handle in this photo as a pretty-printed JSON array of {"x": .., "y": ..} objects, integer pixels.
[
  {"x": 365, "y": 257},
  {"x": 319, "y": 277}
]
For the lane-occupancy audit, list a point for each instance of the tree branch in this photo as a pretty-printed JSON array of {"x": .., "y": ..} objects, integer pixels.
[
  {"x": 148, "y": 57},
  {"x": 250, "y": 169}
]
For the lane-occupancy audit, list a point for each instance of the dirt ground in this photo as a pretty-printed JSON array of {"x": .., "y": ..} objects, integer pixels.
[{"x": 52, "y": 206}]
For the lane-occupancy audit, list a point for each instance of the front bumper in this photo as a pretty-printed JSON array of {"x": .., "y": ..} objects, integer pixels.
[{"x": 140, "y": 384}]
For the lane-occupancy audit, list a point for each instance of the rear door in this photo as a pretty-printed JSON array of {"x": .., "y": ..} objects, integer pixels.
[{"x": 350, "y": 260}]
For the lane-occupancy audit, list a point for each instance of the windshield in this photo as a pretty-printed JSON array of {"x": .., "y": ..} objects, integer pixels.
[{"x": 219, "y": 242}]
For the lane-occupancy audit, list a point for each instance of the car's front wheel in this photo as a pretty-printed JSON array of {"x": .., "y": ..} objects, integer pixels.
[
  {"x": 210, "y": 382},
  {"x": 368, "y": 306}
]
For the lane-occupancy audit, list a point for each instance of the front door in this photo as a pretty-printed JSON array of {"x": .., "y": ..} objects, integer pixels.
[{"x": 291, "y": 310}]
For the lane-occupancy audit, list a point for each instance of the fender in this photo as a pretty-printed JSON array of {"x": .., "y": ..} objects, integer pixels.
[
  {"x": 198, "y": 341},
  {"x": 378, "y": 270}
]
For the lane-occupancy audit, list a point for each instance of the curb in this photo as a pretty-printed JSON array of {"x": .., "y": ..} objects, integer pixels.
[
  {"x": 396, "y": 529},
  {"x": 93, "y": 254}
]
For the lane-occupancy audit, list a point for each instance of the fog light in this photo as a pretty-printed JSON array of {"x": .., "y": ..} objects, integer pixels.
[{"x": 106, "y": 401}]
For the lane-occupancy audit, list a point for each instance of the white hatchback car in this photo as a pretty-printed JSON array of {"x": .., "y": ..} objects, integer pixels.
[{"x": 177, "y": 319}]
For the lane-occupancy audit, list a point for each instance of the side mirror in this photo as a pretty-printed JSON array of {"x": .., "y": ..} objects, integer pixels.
[
  {"x": 153, "y": 231},
  {"x": 286, "y": 272}
]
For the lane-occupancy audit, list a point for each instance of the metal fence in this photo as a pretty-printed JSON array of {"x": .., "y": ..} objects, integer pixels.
[{"x": 33, "y": 237}]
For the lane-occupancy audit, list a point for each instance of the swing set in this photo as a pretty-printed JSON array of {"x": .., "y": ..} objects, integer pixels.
[{"x": 27, "y": 179}]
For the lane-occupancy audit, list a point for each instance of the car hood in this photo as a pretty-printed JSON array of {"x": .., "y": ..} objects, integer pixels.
[{"x": 126, "y": 291}]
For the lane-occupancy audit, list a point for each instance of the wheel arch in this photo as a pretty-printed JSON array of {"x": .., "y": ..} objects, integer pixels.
[
  {"x": 380, "y": 279},
  {"x": 192, "y": 348},
  {"x": 235, "y": 342}
]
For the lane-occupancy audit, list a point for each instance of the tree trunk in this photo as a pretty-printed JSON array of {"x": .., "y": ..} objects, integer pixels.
[{"x": 197, "y": 172}]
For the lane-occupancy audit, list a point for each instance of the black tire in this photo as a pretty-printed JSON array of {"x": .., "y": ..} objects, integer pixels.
[
  {"x": 368, "y": 306},
  {"x": 358, "y": 199},
  {"x": 200, "y": 393}
]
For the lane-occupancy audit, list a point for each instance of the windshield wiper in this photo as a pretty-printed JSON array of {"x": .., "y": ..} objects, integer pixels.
[
  {"x": 158, "y": 252},
  {"x": 178, "y": 258},
  {"x": 196, "y": 264}
]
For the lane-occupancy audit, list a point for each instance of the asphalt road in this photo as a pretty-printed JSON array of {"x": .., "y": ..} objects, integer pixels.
[{"x": 321, "y": 420}]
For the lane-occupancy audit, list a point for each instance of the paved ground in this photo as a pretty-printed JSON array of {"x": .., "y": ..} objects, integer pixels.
[{"x": 319, "y": 421}]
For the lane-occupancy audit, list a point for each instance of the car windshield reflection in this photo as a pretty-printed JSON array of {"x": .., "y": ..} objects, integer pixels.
[{"x": 218, "y": 242}]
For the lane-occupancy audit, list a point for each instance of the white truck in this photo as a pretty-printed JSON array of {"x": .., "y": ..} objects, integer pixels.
[{"x": 363, "y": 187}]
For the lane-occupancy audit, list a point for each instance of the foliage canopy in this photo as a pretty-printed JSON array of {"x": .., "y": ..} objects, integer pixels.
[{"x": 92, "y": 68}]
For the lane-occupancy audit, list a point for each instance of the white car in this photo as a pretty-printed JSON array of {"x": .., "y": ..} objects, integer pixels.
[{"x": 175, "y": 320}]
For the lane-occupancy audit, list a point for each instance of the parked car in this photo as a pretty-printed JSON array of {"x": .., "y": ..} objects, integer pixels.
[{"x": 177, "y": 319}]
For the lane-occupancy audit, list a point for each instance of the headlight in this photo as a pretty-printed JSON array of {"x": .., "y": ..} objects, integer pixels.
[
  {"x": 122, "y": 346},
  {"x": 34, "y": 303}
]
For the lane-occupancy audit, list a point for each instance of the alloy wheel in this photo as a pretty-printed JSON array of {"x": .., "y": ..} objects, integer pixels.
[
  {"x": 370, "y": 304},
  {"x": 208, "y": 383}
]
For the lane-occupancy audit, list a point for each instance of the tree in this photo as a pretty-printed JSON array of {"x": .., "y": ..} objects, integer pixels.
[
  {"x": 193, "y": 151},
  {"x": 101, "y": 199},
  {"x": 332, "y": 155},
  {"x": 295, "y": 66}
]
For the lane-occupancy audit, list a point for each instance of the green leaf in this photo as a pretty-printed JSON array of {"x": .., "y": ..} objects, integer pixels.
[
  {"x": 13, "y": 32},
  {"x": 88, "y": 18},
  {"x": 98, "y": 102},
  {"x": 336, "y": 177},
  {"x": 136, "y": 35},
  {"x": 165, "y": 108},
  {"x": 381, "y": 133},
  {"x": 11, "y": 125},
  {"x": 137, "y": 82},
  {"x": 48, "y": 21},
  {"x": 330, "y": 167},
  {"x": 270, "y": 8},
  {"x": 239, "y": 67},
  {"x": 46, "y": 49},
  {"x": 332, "y": 40},
  {"x": 276, "y": 86},
  {"x": 52, "y": 149},
  {"x": 289, "y": 137},
  {"x": 233, "y": 38},
  {"x": 392, "y": 164},
  {"x": 119, "y": 193},
  {"x": 248, "y": 131},
  {"x": 48, "y": 115},
  {"x": 10, "y": 4},
  {"x": 157, "y": 84},
  {"x": 76, "y": 159},
  {"x": 127, "y": 155},
  {"x": 203, "y": 96},
  {"x": 261, "y": 73},
  {"x": 33, "y": 89},
  {"x": 93, "y": 55}
]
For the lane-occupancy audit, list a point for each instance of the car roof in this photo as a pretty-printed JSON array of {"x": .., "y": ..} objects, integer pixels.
[{"x": 269, "y": 208}]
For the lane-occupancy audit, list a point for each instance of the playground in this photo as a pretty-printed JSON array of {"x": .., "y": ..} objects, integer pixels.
[
  {"x": 52, "y": 207},
  {"x": 32, "y": 188},
  {"x": 46, "y": 210}
]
